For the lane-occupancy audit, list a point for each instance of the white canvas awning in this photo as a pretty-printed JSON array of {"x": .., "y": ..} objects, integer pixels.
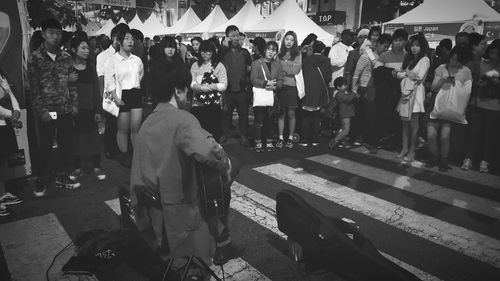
[
  {"x": 187, "y": 21},
  {"x": 213, "y": 20},
  {"x": 246, "y": 17},
  {"x": 289, "y": 16}
]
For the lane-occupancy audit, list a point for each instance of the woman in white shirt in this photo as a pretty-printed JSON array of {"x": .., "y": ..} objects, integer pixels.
[
  {"x": 122, "y": 77},
  {"x": 415, "y": 67}
]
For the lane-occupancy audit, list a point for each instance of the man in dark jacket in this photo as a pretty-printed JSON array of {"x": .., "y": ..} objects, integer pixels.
[
  {"x": 317, "y": 75},
  {"x": 55, "y": 101},
  {"x": 237, "y": 61}
]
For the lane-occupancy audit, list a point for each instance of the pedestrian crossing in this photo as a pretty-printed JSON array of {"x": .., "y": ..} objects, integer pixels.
[{"x": 438, "y": 230}]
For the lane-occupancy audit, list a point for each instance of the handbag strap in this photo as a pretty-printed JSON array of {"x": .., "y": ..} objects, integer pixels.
[
  {"x": 263, "y": 70},
  {"x": 323, "y": 78}
]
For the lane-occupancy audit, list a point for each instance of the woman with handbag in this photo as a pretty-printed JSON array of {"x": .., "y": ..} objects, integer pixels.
[
  {"x": 485, "y": 113},
  {"x": 452, "y": 74},
  {"x": 413, "y": 72},
  {"x": 317, "y": 75},
  {"x": 10, "y": 115},
  {"x": 209, "y": 80},
  {"x": 87, "y": 140},
  {"x": 266, "y": 78}
]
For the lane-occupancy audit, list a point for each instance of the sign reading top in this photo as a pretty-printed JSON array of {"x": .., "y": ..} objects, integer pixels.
[
  {"x": 123, "y": 3},
  {"x": 329, "y": 17}
]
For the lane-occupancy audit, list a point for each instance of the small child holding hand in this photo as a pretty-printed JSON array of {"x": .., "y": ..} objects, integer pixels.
[{"x": 345, "y": 109}]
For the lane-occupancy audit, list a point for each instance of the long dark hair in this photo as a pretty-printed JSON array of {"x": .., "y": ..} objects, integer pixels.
[
  {"x": 294, "y": 50},
  {"x": 410, "y": 59},
  {"x": 169, "y": 41},
  {"x": 208, "y": 45}
]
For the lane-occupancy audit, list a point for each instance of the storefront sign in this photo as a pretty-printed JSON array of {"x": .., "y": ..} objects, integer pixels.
[
  {"x": 122, "y": 3},
  {"x": 329, "y": 17}
]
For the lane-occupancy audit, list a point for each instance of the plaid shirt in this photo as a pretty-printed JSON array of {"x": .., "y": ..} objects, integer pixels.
[{"x": 51, "y": 90}]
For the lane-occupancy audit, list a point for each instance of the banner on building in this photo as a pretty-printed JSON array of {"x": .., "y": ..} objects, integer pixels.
[
  {"x": 122, "y": 3},
  {"x": 329, "y": 17}
]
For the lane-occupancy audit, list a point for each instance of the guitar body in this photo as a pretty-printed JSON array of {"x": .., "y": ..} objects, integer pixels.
[{"x": 211, "y": 191}]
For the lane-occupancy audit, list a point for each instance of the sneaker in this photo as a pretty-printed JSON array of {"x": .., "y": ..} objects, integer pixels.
[
  {"x": 10, "y": 199},
  {"x": 332, "y": 144},
  {"x": 4, "y": 211},
  {"x": 483, "y": 167},
  {"x": 100, "y": 175},
  {"x": 467, "y": 164},
  {"x": 315, "y": 143},
  {"x": 270, "y": 147},
  {"x": 40, "y": 188},
  {"x": 258, "y": 147},
  {"x": 289, "y": 144},
  {"x": 64, "y": 181},
  {"x": 76, "y": 174},
  {"x": 302, "y": 143},
  {"x": 279, "y": 143},
  {"x": 228, "y": 252}
]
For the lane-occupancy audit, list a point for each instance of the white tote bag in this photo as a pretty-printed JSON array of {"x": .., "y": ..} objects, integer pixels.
[
  {"x": 301, "y": 87},
  {"x": 261, "y": 96},
  {"x": 108, "y": 103},
  {"x": 451, "y": 103}
]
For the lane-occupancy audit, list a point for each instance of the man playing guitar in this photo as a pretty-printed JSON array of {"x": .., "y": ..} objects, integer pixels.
[{"x": 169, "y": 149}]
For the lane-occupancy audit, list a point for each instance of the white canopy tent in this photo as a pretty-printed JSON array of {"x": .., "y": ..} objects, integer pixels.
[
  {"x": 447, "y": 11},
  {"x": 246, "y": 17},
  {"x": 152, "y": 26},
  {"x": 213, "y": 20},
  {"x": 440, "y": 19},
  {"x": 289, "y": 16},
  {"x": 187, "y": 21},
  {"x": 136, "y": 23}
]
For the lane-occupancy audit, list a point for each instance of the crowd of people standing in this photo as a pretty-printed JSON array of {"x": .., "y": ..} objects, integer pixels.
[{"x": 369, "y": 89}]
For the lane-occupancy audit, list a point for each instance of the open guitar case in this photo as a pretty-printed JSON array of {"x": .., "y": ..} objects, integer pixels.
[{"x": 319, "y": 242}]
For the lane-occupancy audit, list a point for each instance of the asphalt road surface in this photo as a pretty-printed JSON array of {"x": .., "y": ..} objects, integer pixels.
[{"x": 439, "y": 226}]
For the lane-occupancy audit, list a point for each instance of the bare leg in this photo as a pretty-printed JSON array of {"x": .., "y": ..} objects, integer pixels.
[
  {"x": 281, "y": 124},
  {"x": 414, "y": 135},
  {"x": 404, "y": 139},
  {"x": 123, "y": 129},
  {"x": 135, "y": 123}
]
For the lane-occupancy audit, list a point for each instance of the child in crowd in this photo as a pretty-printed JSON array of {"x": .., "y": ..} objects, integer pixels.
[{"x": 345, "y": 109}]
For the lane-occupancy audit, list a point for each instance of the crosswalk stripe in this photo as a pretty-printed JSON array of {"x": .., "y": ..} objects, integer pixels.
[
  {"x": 470, "y": 176},
  {"x": 29, "y": 246},
  {"x": 261, "y": 209},
  {"x": 473, "y": 244},
  {"x": 456, "y": 198},
  {"x": 234, "y": 270}
]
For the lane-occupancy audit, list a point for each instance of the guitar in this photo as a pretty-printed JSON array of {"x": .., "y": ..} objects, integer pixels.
[{"x": 211, "y": 191}]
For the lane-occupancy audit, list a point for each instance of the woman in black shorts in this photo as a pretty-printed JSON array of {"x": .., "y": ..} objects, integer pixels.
[{"x": 123, "y": 74}]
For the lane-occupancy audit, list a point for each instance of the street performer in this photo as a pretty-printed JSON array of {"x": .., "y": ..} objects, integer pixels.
[{"x": 169, "y": 145}]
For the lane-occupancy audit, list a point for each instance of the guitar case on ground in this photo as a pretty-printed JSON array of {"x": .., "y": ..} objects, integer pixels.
[{"x": 332, "y": 244}]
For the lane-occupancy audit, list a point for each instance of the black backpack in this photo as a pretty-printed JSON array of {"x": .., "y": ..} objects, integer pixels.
[{"x": 332, "y": 244}]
